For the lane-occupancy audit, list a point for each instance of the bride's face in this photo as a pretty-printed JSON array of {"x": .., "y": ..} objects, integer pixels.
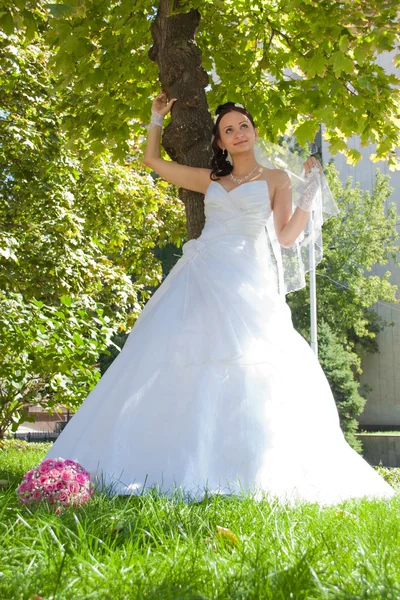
[{"x": 237, "y": 133}]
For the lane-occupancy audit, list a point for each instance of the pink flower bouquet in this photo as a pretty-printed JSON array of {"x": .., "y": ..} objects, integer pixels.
[{"x": 57, "y": 481}]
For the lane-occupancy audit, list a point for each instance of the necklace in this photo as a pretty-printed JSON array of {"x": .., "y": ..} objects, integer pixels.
[{"x": 246, "y": 176}]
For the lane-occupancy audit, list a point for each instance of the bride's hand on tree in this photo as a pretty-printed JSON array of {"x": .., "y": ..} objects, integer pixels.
[
  {"x": 161, "y": 105},
  {"x": 196, "y": 179}
]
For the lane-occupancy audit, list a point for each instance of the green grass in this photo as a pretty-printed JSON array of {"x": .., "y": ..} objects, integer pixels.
[{"x": 152, "y": 547}]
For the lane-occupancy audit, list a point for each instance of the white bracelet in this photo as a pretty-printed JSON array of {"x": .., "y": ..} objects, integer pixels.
[{"x": 156, "y": 119}]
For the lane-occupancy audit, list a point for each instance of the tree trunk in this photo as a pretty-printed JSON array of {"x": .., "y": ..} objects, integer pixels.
[{"x": 187, "y": 138}]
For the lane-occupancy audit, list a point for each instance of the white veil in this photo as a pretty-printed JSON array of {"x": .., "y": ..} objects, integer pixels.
[{"x": 312, "y": 193}]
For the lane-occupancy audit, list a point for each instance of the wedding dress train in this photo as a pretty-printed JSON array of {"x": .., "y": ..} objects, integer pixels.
[{"x": 214, "y": 389}]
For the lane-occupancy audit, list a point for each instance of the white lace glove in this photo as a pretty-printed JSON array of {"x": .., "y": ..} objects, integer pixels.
[
  {"x": 156, "y": 119},
  {"x": 312, "y": 181}
]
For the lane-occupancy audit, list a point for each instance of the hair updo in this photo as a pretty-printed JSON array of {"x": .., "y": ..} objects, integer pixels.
[{"x": 220, "y": 166}]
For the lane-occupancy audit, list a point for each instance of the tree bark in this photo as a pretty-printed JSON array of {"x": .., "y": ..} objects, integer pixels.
[{"x": 187, "y": 138}]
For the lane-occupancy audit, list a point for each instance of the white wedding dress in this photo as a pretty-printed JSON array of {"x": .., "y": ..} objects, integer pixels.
[{"x": 214, "y": 389}]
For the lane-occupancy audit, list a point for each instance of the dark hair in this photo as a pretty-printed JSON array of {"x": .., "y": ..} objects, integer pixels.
[{"x": 219, "y": 165}]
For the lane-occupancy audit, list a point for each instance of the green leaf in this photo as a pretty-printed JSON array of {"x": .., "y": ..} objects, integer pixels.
[
  {"x": 337, "y": 145},
  {"x": 341, "y": 63},
  {"x": 316, "y": 65},
  {"x": 64, "y": 63},
  {"x": 344, "y": 43},
  {"x": 62, "y": 11},
  {"x": 359, "y": 55},
  {"x": 66, "y": 300},
  {"x": 7, "y": 23},
  {"x": 306, "y": 132}
]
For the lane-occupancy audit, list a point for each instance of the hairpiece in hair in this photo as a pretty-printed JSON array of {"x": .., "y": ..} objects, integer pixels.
[{"x": 222, "y": 107}]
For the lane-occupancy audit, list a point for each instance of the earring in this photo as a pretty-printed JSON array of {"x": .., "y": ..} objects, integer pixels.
[{"x": 229, "y": 158}]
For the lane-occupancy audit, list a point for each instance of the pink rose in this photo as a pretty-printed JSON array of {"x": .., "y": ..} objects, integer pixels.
[
  {"x": 43, "y": 479},
  {"x": 70, "y": 463},
  {"x": 22, "y": 487},
  {"x": 80, "y": 478},
  {"x": 48, "y": 461},
  {"x": 55, "y": 474},
  {"x": 28, "y": 476},
  {"x": 59, "y": 464},
  {"x": 50, "y": 487},
  {"x": 43, "y": 468},
  {"x": 36, "y": 494},
  {"x": 63, "y": 497},
  {"x": 66, "y": 475},
  {"x": 59, "y": 485},
  {"x": 30, "y": 486},
  {"x": 73, "y": 487}
]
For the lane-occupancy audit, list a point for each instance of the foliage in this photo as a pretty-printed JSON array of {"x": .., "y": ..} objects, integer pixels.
[
  {"x": 362, "y": 235},
  {"x": 338, "y": 363},
  {"x": 391, "y": 475},
  {"x": 296, "y": 63},
  {"x": 76, "y": 244},
  {"x": 48, "y": 354},
  {"x": 66, "y": 229}
]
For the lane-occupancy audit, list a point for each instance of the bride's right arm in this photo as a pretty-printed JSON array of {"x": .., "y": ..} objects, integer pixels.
[{"x": 190, "y": 178}]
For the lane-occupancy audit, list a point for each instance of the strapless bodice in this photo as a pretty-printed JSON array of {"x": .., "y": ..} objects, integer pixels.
[
  {"x": 235, "y": 219},
  {"x": 243, "y": 211}
]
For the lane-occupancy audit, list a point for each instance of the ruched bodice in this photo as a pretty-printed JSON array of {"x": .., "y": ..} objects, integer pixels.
[
  {"x": 243, "y": 211},
  {"x": 235, "y": 220}
]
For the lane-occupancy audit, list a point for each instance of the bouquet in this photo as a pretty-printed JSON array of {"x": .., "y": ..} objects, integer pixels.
[{"x": 57, "y": 481}]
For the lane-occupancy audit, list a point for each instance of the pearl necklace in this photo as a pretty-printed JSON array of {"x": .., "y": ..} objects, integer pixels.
[{"x": 246, "y": 176}]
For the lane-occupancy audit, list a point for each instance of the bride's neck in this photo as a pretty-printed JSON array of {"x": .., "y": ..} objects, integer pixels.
[{"x": 243, "y": 165}]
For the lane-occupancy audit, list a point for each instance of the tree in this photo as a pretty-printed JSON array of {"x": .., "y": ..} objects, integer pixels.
[
  {"x": 48, "y": 354},
  {"x": 338, "y": 362},
  {"x": 294, "y": 64},
  {"x": 76, "y": 244}
]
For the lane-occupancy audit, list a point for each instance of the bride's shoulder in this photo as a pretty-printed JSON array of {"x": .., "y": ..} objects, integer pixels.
[
  {"x": 275, "y": 176},
  {"x": 276, "y": 179}
]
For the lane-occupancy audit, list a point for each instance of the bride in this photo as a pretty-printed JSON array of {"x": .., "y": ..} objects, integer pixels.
[{"x": 214, "y": 390}]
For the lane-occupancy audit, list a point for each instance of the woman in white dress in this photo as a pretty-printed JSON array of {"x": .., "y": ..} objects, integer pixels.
[{"x": 214, "y": 390}]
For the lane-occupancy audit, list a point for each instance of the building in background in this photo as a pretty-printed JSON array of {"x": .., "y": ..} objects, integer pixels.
[{"x": 381, "y": 370}]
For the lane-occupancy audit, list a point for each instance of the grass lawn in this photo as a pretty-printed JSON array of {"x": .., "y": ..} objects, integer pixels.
[{"x": 153, "y": 547}]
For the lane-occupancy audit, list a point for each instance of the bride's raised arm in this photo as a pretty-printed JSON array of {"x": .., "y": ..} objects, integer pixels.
[
  {"x": 196, "y": 179},
  {"x": 289, "y": 226}
]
